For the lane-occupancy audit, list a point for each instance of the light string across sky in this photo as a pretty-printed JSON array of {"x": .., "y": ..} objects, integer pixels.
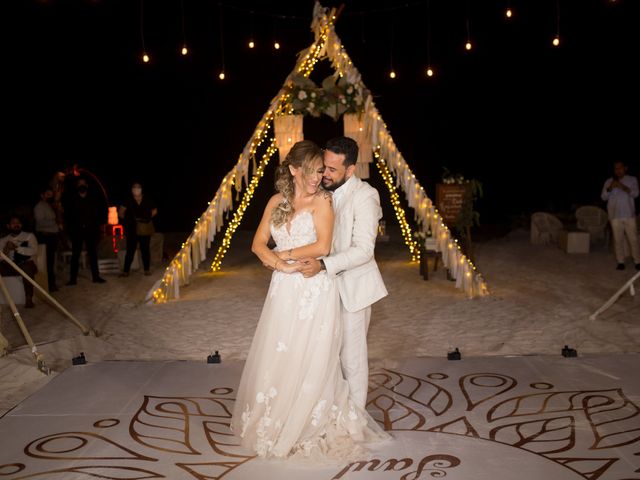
[{"x": 508, "y": 13}]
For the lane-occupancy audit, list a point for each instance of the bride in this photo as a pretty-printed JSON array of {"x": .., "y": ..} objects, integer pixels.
[{"x": 293, "y": 400}]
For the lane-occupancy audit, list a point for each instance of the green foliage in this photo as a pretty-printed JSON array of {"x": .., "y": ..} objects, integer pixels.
[{"x": 334, "y": 98}]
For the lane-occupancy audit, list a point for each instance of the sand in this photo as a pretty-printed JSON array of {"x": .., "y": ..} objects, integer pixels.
[{"x": 541, "y": 299}]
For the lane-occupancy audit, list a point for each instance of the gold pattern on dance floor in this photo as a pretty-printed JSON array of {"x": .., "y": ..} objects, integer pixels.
[{"x": 585, "y": 432}]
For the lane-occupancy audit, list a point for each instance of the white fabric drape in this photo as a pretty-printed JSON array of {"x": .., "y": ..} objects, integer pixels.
[{"x": 288, "y": 130}]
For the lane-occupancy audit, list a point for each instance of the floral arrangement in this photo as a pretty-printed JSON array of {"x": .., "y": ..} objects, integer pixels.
[
  {"x": 305, "y": 97},
  {"x": 334, "y": 98}
]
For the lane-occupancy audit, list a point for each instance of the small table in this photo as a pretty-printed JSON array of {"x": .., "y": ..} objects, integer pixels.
[{"x": 574, "y": 241}]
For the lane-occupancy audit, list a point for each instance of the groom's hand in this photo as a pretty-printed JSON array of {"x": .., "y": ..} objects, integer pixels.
[{"x": 310, "y": 266}]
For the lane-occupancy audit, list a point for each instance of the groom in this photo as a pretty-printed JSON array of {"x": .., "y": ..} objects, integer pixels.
[{"x": 351, "y": 262}]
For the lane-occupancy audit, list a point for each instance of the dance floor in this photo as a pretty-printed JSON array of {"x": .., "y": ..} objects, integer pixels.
[{"x": 529, "y": 418}]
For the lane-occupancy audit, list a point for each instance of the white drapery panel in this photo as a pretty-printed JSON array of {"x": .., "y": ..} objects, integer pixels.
[{"x": 288, "y": 131}]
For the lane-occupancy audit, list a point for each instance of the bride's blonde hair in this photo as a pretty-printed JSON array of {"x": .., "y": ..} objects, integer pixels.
[{"x": 305, "y": 154}]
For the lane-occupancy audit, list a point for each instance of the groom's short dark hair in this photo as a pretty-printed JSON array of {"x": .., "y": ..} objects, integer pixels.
[{"x": 344, "y": 146}]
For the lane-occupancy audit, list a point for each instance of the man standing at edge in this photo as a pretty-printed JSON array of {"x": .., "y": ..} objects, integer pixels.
[
  {"x": 620, "y": 192},
  {"x": 351, "y": 263}
]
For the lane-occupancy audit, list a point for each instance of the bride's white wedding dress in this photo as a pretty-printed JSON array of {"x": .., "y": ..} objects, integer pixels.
[{"x": 293, "y": 400}]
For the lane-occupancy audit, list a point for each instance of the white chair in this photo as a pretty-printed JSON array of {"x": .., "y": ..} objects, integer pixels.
[
  {"x": 545, "y": 228},
  {"x": 593, "y": 220}
]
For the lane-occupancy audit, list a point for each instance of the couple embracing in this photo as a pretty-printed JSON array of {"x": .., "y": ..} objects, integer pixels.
[{"x": 304, "y": 386}]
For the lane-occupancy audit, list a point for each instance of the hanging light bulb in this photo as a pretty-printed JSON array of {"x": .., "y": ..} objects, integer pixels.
[
  {"x": 276, "y": 45},
  {"x": 556, "y": 41},
  {"x": 392, "y": 74},
  {"x": 251, "y": 44},
  {"x": 429, "y": 72},
  {"x": 221, "y": 76},
  {"x": 184, "y": 50},
  {"x": 145, "y": 58},
  {"x": 468, "y": 46},
  {"x": 509, "y": 13}
]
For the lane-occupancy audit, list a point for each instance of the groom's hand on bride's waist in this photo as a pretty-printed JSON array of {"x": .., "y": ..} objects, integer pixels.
[{"x": 310, "y": 266}]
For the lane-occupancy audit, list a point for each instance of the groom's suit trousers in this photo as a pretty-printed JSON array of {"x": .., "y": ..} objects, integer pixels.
[{"x": 353, "y": 355}]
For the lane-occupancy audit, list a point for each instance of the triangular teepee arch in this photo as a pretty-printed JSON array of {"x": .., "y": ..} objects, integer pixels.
[{"x": 389, "y": 161}]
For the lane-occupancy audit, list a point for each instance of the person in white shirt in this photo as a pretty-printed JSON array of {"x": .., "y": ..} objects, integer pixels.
[
  {"x": 47, "y": 229},
  {"x": 21, "y": 247},
  {"x": 620, "y": 192}
]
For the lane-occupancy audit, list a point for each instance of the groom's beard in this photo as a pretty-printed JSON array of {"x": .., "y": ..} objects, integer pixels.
[{"x": 332, "y": 187}]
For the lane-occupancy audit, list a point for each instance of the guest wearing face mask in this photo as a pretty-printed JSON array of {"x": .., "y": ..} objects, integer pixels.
[
  {"x": 47, "y": 231},
  {"x": 137, "y": 213},
  {"x": 21, "y": 247},
  {"x": 83, "y": 217}
]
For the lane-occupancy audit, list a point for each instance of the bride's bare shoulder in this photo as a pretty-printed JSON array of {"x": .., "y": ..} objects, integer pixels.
[
  {"x": 276, "y": 199},
  {"x": 323, "y": 198}
]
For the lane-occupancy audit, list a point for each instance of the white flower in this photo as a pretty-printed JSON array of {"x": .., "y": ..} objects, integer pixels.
[
  {"x": 281, "y": 347},
  {"x": 302, "y": 95},
  {"x": 273, "y": 392},
  {"x": 260, "y": 397},
  {"x": 313, "y": 94},
  {"x": 311, "y": 106},
  {"x": 349, "y": 90},
  {"x": 352, "y": 414}
]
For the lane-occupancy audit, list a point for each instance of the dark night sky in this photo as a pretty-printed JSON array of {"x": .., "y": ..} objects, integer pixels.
[{"x": 539, "y": 126}]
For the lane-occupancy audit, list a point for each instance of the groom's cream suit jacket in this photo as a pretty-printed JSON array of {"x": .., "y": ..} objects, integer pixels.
[{"x": 351, "y": 261}]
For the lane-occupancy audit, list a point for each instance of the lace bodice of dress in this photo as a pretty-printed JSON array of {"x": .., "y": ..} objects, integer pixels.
[{"x": 301, "y": 232}]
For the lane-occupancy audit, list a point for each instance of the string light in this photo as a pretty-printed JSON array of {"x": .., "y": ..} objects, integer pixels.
[
  {"x": 145, "y": 57},
  {"x": 468, "y": 44},
  {"x": 392, "y": 72},
  {"x": 509, "y": 12},
  {"x": 429, "y": 69},
  {"x": 397, "y": 206},
  {"x": 244, "y": 204},
  {"x": 556, "y": 39},
  {"x": 184, "y": 50},
  {"x": 221, "y": 76},
  {"x": 251, "y": 42},
  {"x": 276, "y": 44}
]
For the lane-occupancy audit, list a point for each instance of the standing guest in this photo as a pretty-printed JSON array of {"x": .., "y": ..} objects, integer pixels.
[
  {"x": 137, "y": 213},
  {"x": 21, "y": 247},
  {"x": 47, "y": 231},
  {"x": 83, "y": 218},
  {"x": 620, "y": 192}
]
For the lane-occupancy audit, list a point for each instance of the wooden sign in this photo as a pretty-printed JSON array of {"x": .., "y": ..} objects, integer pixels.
[{"x": 449, "y": 199}]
